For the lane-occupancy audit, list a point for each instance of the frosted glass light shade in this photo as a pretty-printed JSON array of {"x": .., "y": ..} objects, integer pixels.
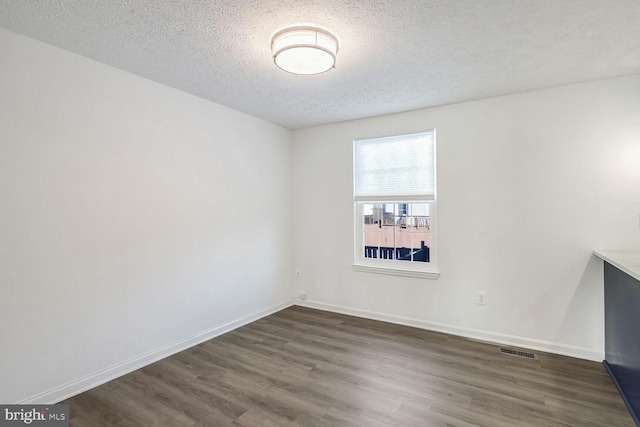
[{"x": 304, "y": 50}]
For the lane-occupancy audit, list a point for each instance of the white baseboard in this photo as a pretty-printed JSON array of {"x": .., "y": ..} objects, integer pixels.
[
  {"x": 492, "y": 337},
  {"x": 80, "y": 385}
]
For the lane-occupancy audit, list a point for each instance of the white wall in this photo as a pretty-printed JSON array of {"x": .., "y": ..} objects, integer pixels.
[
  {"x": 132, "y": 217},
  {"x": 528, "y": 186}
]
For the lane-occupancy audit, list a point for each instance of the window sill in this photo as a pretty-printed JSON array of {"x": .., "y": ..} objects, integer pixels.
[{"x": 433, "y": 275}]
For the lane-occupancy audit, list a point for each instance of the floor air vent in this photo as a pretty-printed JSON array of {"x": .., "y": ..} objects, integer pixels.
[{"x": 518, "y": 353}]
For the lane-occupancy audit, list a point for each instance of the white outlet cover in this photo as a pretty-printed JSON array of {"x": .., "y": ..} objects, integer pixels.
[{"x": 481, "y": 298}]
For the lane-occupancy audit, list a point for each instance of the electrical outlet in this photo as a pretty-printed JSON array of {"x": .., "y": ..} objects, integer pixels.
[
  {"x": 481, "y": 297},
  {"x": 298, "y": 274}
]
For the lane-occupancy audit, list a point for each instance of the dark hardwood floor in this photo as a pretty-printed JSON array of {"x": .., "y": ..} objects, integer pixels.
[{"x": 303, "y": 367}]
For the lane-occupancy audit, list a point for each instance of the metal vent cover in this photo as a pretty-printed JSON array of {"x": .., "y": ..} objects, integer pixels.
[{"x": 517, "y": 353}]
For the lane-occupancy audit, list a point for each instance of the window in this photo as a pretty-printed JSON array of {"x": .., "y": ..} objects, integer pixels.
[{"x": 394, "y": 204}]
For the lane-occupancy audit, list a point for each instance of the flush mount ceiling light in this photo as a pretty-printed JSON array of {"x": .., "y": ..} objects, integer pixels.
[{"x": 304, "y": 50}]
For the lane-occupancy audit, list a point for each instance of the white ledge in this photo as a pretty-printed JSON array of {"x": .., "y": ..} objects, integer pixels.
[
  {"x": 397, "y": 272},
  {"x": 627, "y": 261}
]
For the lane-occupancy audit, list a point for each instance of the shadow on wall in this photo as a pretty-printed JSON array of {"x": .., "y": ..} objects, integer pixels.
[{"x": 586, "y": 294}]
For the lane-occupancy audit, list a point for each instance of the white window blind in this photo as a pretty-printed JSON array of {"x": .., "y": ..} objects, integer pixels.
[{"x": 395, "y": 168}]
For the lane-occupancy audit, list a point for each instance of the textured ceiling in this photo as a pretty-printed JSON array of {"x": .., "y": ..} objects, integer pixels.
[{"x": 395, "y": 55}]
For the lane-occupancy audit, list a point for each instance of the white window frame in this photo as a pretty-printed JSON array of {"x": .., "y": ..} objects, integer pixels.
[{"x": 426, "y": 270}]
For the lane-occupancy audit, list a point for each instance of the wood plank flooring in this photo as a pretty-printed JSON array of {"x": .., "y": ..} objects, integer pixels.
[{"x": 303, "y": 367}]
